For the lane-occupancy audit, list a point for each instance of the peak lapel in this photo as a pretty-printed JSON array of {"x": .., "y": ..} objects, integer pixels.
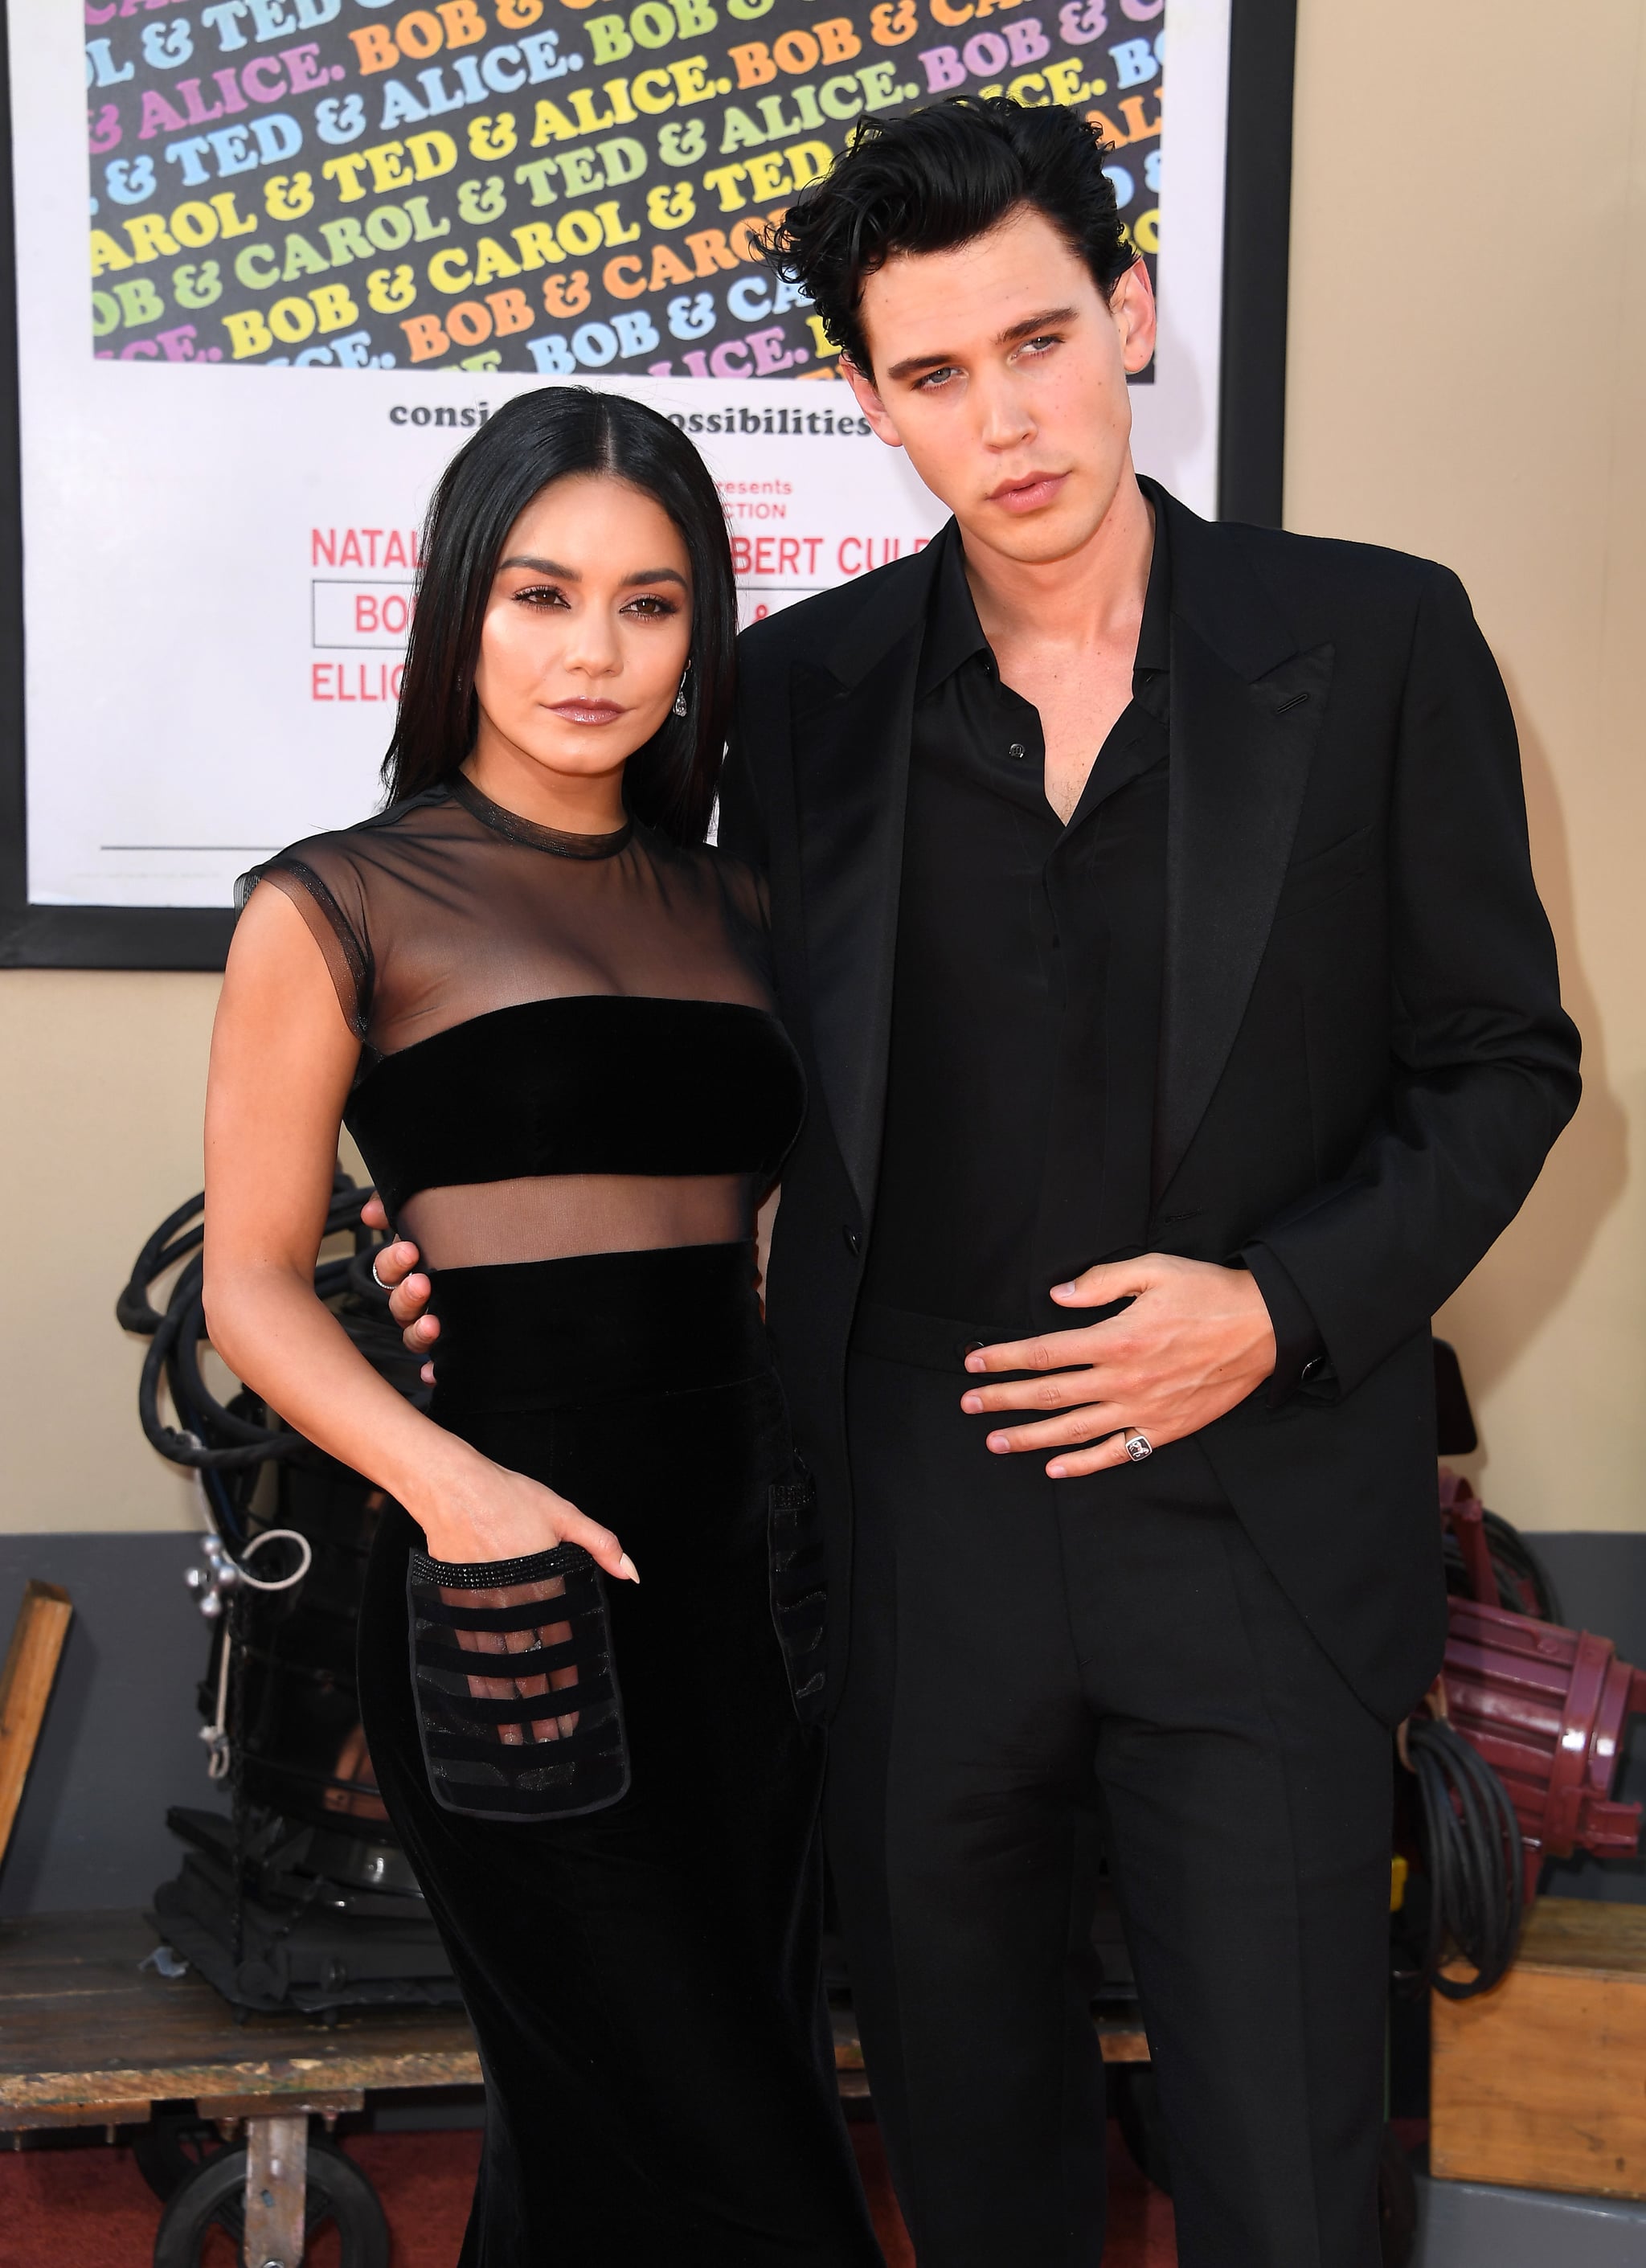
[
  {"x": 1246, "y": 712},
  {"x": 853, "y": 717}
]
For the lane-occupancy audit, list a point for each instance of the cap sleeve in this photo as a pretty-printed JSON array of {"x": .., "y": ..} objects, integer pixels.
[
  {"x": 324, "y": 884},
  {"x": 744, "y": 890}
]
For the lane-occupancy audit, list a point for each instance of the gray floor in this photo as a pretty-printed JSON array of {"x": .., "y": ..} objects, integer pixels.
[{"x": 1470, "y": 2225}]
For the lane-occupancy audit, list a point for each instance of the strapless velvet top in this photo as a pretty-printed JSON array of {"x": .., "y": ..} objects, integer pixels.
[{"x": 591, "y": 1085}]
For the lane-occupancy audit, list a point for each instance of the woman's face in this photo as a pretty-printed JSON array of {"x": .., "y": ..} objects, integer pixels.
[{"x": 586, "y": 631}]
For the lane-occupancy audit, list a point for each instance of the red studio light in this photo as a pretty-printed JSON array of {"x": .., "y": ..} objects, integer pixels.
[{"x": 1547, "y": 1707}]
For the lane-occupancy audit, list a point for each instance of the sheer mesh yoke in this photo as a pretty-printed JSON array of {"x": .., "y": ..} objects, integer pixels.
[{"x": 567, "y": 1042}]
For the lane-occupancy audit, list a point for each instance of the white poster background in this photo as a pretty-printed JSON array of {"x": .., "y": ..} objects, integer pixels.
[{"x": 211, "y": 628}]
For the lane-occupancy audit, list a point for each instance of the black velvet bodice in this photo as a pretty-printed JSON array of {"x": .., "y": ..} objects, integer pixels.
[
  {"x": 567, "y": 1042},
  {"x": 589, "y": 1085}
]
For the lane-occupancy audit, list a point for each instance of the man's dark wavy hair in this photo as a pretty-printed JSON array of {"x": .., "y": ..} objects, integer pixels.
[
  {"x": 937, "y": 177},
  {"x": 535, "y": 438}
]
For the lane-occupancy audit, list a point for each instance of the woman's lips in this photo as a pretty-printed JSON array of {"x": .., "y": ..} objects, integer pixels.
[
  {"x": 1029, "y": 495},
  {"x": 586, "y": 713}
]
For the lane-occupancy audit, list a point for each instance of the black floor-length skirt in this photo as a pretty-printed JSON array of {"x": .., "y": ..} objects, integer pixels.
[{"x": 644, "y": 1979}]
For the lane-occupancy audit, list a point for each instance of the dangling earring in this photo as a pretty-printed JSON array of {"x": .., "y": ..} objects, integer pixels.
[{"x": 680, "y": 698}]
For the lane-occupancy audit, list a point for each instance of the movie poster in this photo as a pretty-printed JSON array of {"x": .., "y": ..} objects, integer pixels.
[
  {"x": 326, "y": 239},
  {"x": 531, "y": 186}
]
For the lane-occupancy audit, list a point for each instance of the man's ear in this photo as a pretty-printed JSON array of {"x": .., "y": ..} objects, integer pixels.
[
  {"x": 1132, "y": 307},
  {"x": 870, "y": 404}
]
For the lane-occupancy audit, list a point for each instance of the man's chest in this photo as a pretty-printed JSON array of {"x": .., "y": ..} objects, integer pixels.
[{"x": 1078, "y": 699}]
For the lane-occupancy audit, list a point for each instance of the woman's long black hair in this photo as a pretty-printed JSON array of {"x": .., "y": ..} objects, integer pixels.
[{"x": 537, "y": 438}]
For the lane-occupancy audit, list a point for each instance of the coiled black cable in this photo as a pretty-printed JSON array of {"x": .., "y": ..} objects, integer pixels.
[
  {"x": 218, "y": 1441},
  {"x": 1472, "y": 1858},
  {"x": 1524, "y": 1586}
]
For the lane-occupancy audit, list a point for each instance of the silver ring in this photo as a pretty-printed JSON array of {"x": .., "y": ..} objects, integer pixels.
[
  {"x": 1138, "y": 1446},
  {"x": 376, "y": 1279}
]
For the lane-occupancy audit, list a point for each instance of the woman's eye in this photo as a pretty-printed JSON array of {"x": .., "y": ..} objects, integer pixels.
[
  {"x": 652, "y": 607},
  {"x": 541, "y": 594}
]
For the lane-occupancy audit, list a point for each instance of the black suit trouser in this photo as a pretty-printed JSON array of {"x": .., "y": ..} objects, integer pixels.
[{"x": 1033, "y": 1662}]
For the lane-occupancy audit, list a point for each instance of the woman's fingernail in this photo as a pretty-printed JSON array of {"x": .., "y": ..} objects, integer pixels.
[
  {"x": 1058, "y": 1472},
  {"x": 997, "y": 1441},
  {"x": 627, "y": 1569},
  {"x": 971, "y": 1402}
]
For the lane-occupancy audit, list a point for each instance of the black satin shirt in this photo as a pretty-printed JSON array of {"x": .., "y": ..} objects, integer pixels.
[{"x": 1027, "y": 993}]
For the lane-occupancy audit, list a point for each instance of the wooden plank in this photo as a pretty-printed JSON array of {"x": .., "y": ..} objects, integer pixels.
[
  {"x": 328, "y": 2104},
  {"x": 25, "y": 1683},
  {"x": 87, "y": 2034},
  {"x": 82, "y": 2024},
  {"x": 1541, "y": 2083},
  {"x": 1122, "y": 2043},
  {"x": 1584, "y": 1934},
  {"x": 86, "y": 2114}
]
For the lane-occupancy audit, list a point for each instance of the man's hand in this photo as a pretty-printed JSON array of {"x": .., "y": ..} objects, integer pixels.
[
  {"x": 1196, "y": 1340},
  {"x": 408, "y": 1290}
]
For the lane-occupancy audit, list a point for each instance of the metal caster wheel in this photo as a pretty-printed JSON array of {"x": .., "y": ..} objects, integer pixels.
[
  {"x": 173, "y": 2146},
  {"x": 214, "y": 2196}
]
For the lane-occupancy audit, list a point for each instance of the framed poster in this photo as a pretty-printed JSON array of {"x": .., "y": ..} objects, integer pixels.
[{"x": 326, "y": 239}]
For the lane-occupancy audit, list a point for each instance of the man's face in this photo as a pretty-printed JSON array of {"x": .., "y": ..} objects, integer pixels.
[{"x": 1001, "y": 369}]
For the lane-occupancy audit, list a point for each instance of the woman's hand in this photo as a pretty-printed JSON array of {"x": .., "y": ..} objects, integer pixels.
[
  {"x": 472, "y": 1509},
  {"x": 395, "y": 1268}
]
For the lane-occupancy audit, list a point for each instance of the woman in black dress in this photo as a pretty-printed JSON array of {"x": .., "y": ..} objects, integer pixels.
[{"x": 556, "y": 1050}]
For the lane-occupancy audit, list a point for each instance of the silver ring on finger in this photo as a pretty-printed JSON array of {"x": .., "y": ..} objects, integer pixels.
[
  {"x": 376, "y": 1279},
  {"x": 1138, "y": 1446}
]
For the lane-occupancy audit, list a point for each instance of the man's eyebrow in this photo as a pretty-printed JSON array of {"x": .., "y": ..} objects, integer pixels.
[
  {"x": 1030, "y": 324},
  {"x": 570, "y": 575},
  {"x": 1047, "y": 321}
]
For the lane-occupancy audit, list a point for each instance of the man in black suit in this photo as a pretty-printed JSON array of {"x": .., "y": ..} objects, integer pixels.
[{"x": 1152, "y": 908}]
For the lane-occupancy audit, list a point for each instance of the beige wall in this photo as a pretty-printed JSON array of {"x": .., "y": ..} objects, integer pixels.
[
  {"x": 1468, "y": 381},
  {"x": 104, "y": 1076},
  {"x": 1468, "y": 371}
]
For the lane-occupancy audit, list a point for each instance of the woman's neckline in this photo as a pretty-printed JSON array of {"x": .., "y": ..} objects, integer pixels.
[{"x": 516, "y": 829}]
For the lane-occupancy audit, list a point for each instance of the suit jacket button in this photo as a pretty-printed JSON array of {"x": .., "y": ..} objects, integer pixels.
[
  {"x": 851, "y": 1239},
  {"x": 1312, "y": 1368}
]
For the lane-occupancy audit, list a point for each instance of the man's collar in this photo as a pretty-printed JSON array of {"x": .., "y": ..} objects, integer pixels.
[
  {"x": 954, "y": 633},
  {"x": 1154, "y": 637}
]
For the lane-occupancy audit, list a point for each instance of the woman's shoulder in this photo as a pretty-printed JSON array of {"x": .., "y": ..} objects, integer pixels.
[
  {"x": 343, "y": 856},
  {"x": 735, "y": 883}
]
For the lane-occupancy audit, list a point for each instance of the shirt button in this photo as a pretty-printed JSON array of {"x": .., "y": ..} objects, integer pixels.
[{"x": 1017, "y": 751}]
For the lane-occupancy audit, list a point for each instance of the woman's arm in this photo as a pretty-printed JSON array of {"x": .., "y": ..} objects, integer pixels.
[{"x": 282, "y": 1060}]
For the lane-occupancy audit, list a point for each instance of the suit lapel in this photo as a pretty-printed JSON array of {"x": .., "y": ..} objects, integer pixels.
[
  {"x": 1246, "y": 712},
  {"x": 851, "y": 724}
]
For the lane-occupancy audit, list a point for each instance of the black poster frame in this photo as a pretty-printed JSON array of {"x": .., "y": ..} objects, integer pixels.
[{"x": 1252, "y": 423}]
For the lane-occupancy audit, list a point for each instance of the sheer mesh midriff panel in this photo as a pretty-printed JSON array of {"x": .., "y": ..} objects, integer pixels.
[{"x": 560, "y": 1216}]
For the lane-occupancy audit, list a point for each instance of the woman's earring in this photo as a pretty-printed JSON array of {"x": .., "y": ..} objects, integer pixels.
[{"x": 680, "y": 698}]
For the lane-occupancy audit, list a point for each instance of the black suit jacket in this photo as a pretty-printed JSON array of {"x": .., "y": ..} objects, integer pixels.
[{"x": 1363, "y": 1060}]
